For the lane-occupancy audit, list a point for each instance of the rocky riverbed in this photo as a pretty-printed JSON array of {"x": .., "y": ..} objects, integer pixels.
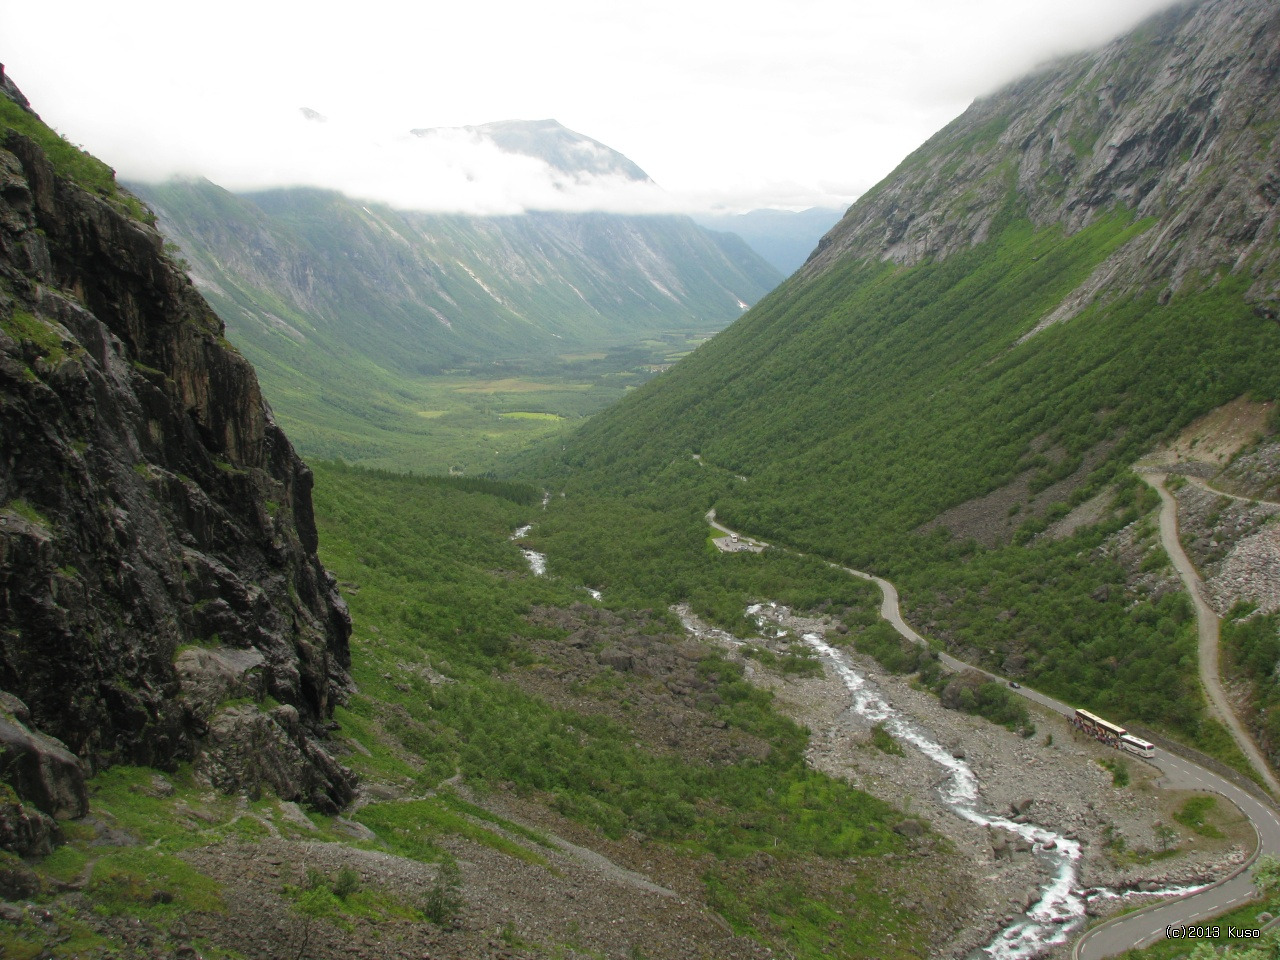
[{"x": 1053, "y": 779}]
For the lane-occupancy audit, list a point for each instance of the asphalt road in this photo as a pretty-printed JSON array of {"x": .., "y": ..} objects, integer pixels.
[{"x": 1142, "y": 927}]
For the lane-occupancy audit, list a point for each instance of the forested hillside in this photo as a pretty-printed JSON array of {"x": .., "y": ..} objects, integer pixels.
[{"x": 1074, "y": 269}]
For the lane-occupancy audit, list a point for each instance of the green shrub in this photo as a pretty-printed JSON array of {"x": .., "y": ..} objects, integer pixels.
[
  {"x": 884, "y": 741},
  {"x": 1193, "y": 813},
  {"x": 444, "y": 899}
]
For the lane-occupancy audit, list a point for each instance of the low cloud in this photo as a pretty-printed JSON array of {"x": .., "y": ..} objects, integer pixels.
[
  {"x": 728, "y": 106},
  {"x": 458, "y": 170}
]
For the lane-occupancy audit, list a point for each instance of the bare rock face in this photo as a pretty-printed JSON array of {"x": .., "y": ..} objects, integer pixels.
[
  {"x": 25, "y": 831},
  {"x": 157, "y": 541},
  {"x": 40, "y": 770},
  {"x": 1170, "y": 122}
]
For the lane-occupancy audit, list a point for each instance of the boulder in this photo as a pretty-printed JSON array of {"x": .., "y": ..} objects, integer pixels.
[
  {"x": 354, "y": 829},
  {"x": 18, "y": 881},
  {"x": 26, "y": 832},
  {"x": 42, "y": 771},
  {"x": 910, "y": 827},
  {"x": 159, "y": 787},
  {"x": 248, "y": 751},
  {"x": 290, "y": 812},
  {"x": 210, "y": 676},
  {"x": 618, "y": 659},
  {"x": 11, "y": 705},
  {"x": 953, "y": 694}
]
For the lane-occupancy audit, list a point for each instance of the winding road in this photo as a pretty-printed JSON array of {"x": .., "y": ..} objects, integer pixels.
[
  {"x": 1141, "y": 927},
  {"x": 1208, "y": 626}
]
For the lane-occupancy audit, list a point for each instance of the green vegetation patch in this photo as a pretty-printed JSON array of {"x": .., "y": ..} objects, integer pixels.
[
  {"x": 152, "y": 884},
  {"x": 27, "y": 512},
  {"x": 1119, "y": 769},
  {"x": 884, "y": 741},
  {"x": 439, "y": 603},
  {"x": 862, "y": 403},
  {"x": 22, "y": 325},
  {"x": 410, "y": 828},
  {"x": 652, "y": 550},
  {"x": 343, "y": 898},
  {"x": 531, "y": 415},
  {"x": 855, "y": 919},
  {"x": 1194, "y": 813},
  {"x": 795, "y": 660},
  {"x": 70, "y": 161},
  {"x": 1251, "y": 652}
]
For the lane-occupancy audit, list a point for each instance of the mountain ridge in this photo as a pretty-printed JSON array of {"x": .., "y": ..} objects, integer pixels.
[
  {"x": 1139, "y": 124},
  {"x": 566, "y": 151},
  {"x": 348, "y": 309}
]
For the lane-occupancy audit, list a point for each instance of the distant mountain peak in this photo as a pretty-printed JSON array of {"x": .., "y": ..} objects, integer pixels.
[{"x": 550, "y": 141}]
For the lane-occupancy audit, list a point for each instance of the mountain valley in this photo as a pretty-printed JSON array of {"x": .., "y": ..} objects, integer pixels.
[
  {"x": 635, "y": 604},
  {"x": 908, "y": 371},
  {"x": 373, "y": 328}
]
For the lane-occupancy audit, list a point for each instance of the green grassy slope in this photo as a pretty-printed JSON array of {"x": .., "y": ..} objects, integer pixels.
[
  {"x": 863, "y": 404},
  {"x": 859, "y": 406},
  {"x": 433, "y": 579},
  {"x": 447, "y": 624},
  {"x": 421, "y": 293},
  {"x": 888, "y": 381}
]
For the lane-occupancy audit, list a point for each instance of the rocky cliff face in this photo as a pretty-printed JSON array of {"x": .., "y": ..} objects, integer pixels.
[
  {"x": 160, "y": 596},
  {"x": 1176, "y": 122}
]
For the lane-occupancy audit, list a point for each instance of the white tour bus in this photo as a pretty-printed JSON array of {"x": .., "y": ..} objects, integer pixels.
[{"x": 1138, "y": 746}]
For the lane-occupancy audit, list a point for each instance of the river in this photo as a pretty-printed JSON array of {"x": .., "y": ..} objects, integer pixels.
[
  {"x": 1059, "y": 912},
  {"x": 1060, "y": 909},
  {"x": 537, "y": 561}
]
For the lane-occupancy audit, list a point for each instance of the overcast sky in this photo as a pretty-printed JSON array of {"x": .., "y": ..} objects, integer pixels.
[{"x": 725, "y": 103}]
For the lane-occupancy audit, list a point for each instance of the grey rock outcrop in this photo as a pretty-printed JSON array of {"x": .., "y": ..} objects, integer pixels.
[
  {"x": 909, "y": 827},
  {"x": 42, "y": 771},
  {"x": 25, "y": 830},
  {"x": 1170, "y": 122},
  {"x": 249, "y": 751},
  {"x": 157, "y": 541}
]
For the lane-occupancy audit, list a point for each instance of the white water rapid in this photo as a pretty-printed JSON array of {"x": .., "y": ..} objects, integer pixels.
[
  {"x": 1061, "y": 907},
  {"x": 537, "y": 561},
  {"x": 1051, "y": 920}
]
